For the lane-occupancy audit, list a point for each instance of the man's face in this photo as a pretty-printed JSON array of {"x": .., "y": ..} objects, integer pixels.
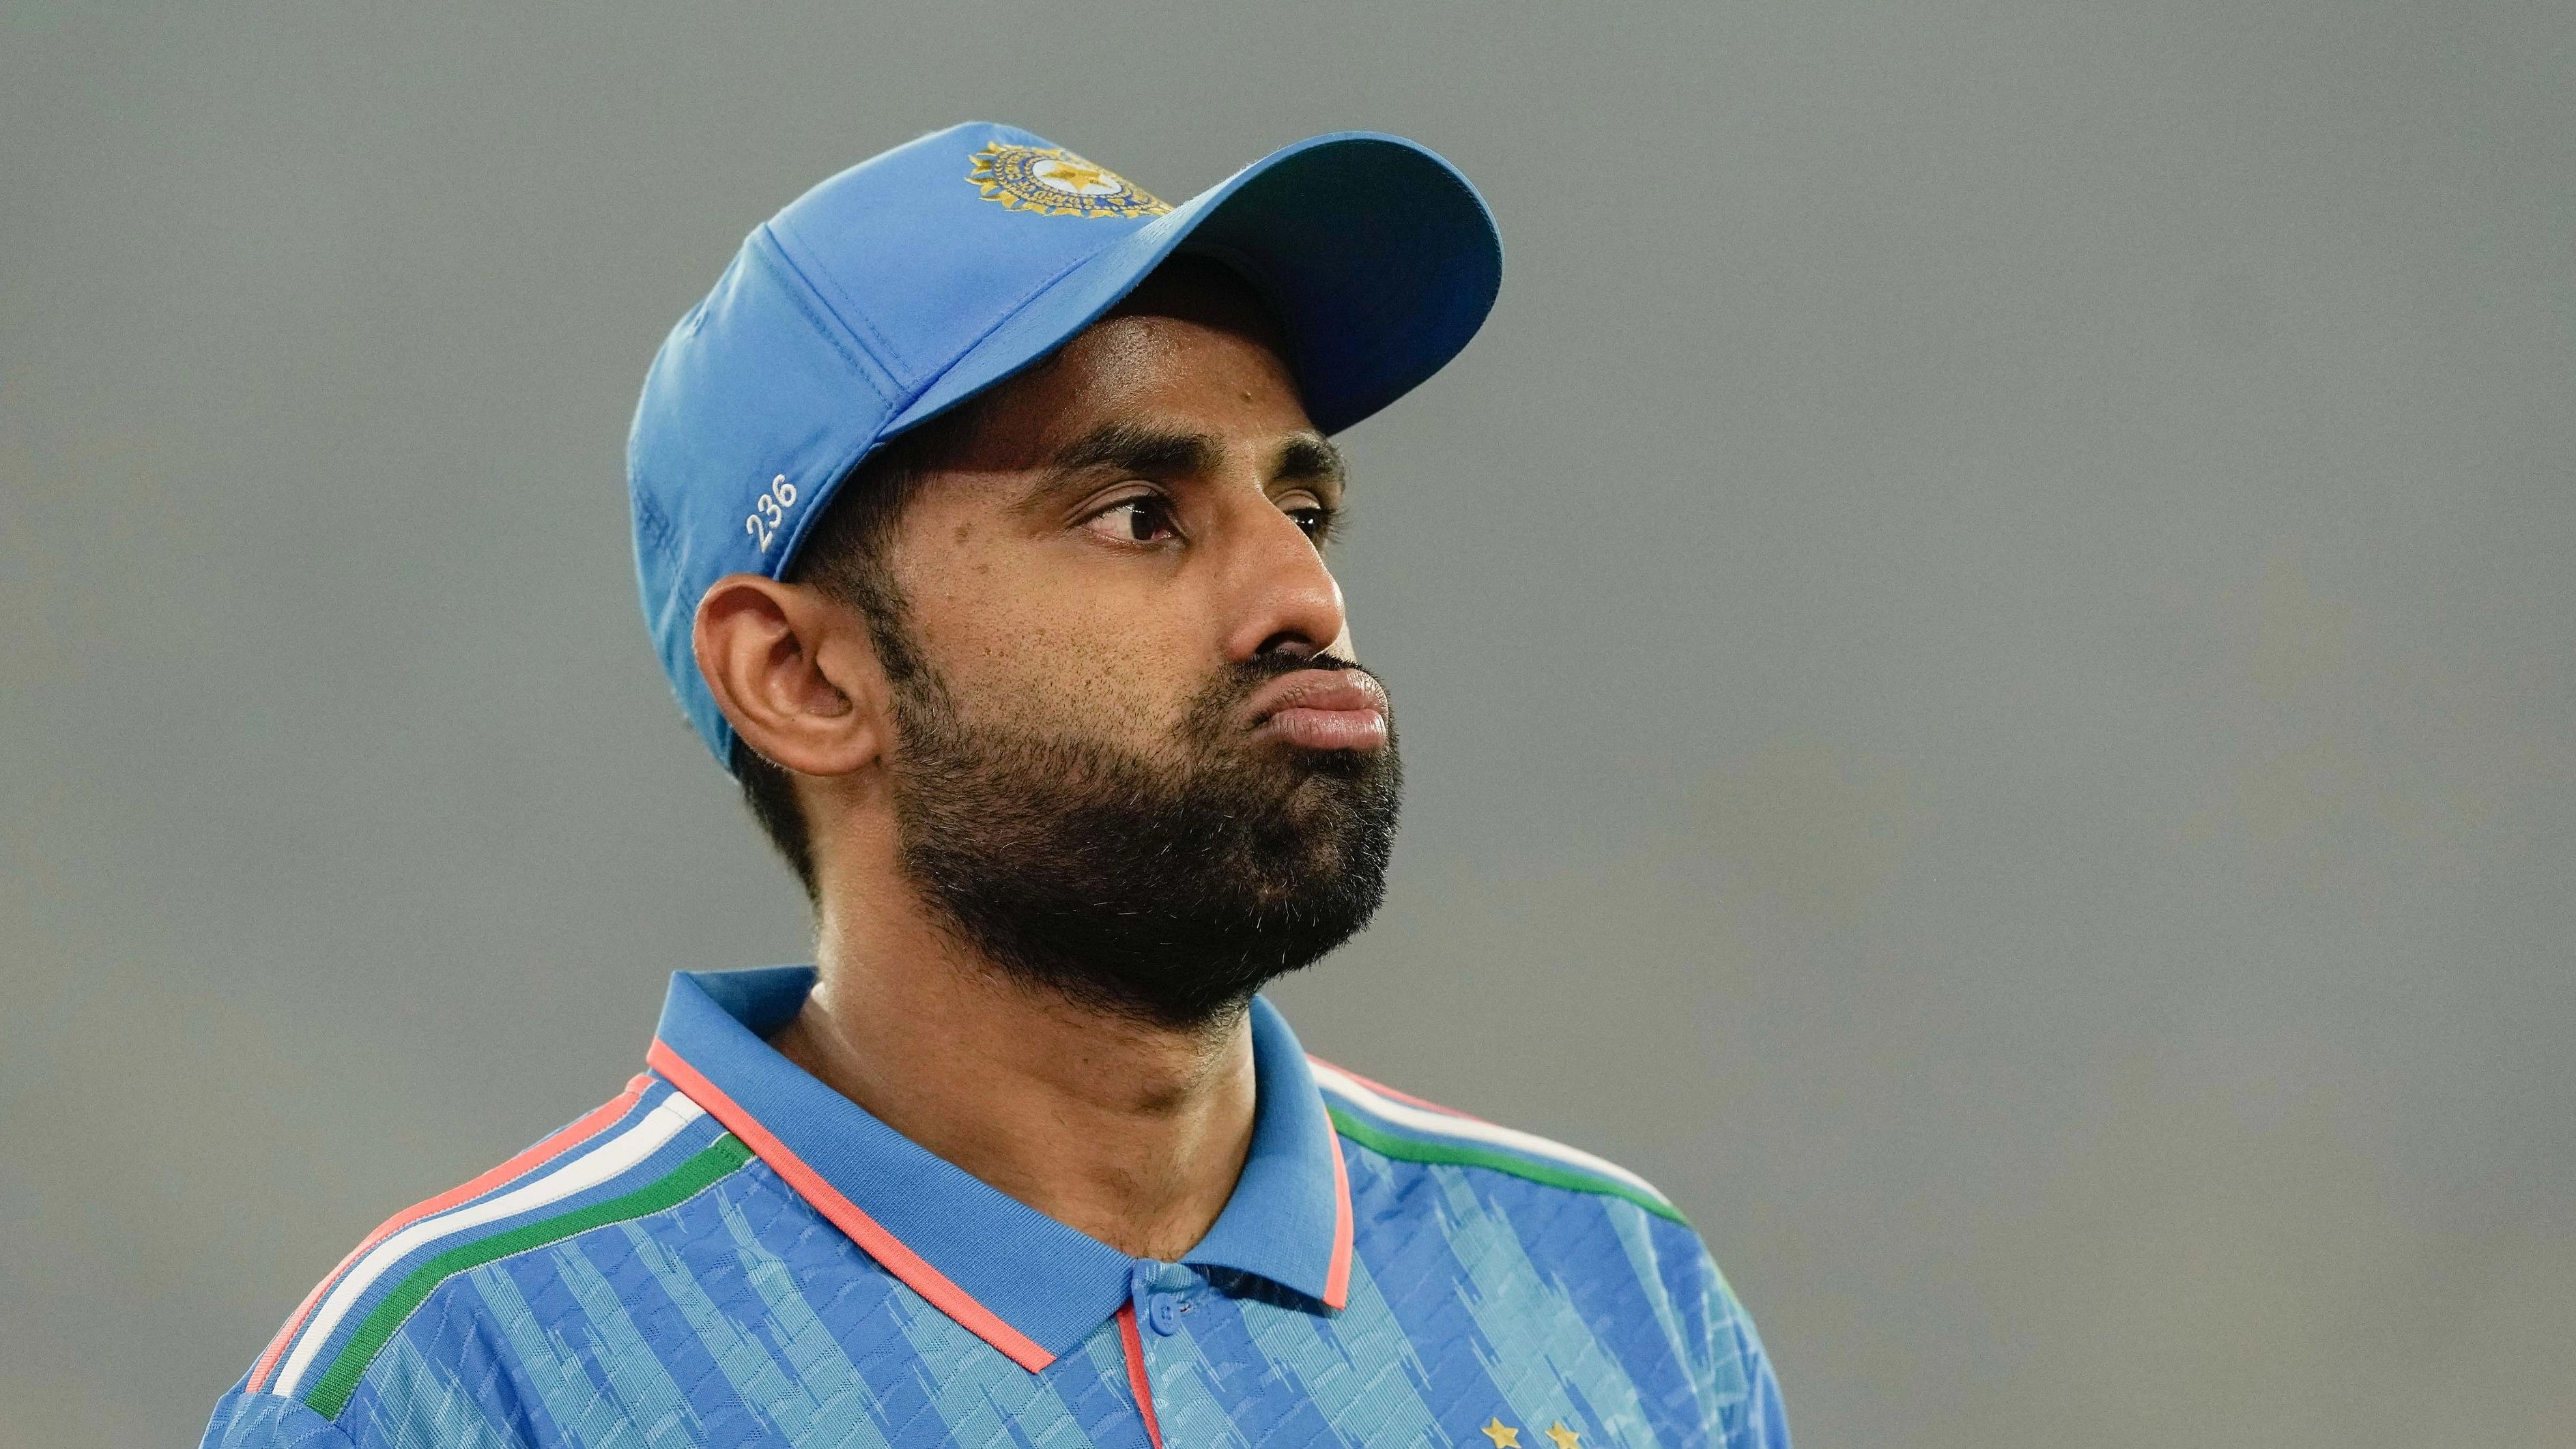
[{"x": 1137, "y": 764}]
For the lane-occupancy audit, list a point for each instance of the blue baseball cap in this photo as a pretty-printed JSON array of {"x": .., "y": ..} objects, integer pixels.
[{"x": 915, "y": 280}]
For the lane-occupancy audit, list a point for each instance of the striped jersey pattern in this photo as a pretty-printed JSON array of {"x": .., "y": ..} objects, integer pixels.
[{"x": 695, "y": 1264}]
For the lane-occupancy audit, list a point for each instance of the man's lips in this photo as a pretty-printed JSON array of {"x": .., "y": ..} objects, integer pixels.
[{"x": 1322, "y": 709}]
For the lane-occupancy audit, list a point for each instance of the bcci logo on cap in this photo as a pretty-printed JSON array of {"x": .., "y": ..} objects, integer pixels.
[{"x": 1056, "y": 182}]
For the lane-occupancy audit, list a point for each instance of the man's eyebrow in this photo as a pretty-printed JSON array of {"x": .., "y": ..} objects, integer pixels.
[
  {"x": 1310, "y": 458},
  {"x": 1144, "y": 451}
]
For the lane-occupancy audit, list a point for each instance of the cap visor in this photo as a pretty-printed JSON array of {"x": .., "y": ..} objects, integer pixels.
[{"x": 1379, "y": 257}]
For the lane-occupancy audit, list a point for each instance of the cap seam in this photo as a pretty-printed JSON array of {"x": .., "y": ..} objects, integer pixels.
[
  {"x": 890, "y": 358},
  {"x": 1021, "y": 304},
  {"x": 819, "y": 313}
]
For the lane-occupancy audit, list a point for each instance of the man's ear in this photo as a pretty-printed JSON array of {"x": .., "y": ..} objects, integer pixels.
[{"x": 794, "y": 672}]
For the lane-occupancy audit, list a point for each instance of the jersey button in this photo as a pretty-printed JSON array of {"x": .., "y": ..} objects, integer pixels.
[{"x": 1164, "y": 1312}]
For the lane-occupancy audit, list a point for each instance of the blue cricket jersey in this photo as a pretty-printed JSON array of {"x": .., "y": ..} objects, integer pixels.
[{"x": 731, "y": 1253}]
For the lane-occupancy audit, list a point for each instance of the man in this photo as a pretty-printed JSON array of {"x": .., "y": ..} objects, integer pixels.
[{"x": 980, "y": 514}]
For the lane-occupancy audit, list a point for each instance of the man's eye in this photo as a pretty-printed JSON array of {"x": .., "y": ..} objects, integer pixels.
[
  {"x": 1135, "y": 520},
  {"x": 1317, "y": 522}
]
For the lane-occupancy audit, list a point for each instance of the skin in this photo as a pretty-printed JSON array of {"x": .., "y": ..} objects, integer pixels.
[{"x": 1054, "y": 598}]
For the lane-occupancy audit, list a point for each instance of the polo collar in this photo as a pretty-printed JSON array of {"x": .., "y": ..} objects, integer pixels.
[{"x": 1023, "y": 1282}]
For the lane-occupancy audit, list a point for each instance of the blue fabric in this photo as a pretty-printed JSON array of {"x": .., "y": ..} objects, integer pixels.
[
  {"x": 743, "y": 1316},
  {"x": 265, "y": 1421},
  {"x": 899, "y": 288}
]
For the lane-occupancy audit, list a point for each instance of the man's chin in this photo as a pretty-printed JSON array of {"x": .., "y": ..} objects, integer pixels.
[{"x": 1237, "y": 861}]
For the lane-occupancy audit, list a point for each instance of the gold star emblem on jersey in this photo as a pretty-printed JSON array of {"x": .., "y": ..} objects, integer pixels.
[
  {"x": 1563, "y": 1437},
  {"x": 1052, "y": 181}
]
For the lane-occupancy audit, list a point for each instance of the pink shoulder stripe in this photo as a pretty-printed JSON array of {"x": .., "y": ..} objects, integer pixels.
[
  {"x": 1383, "y": 1090},
  {"x": 590, "y": 1125},
  {"x": 867, "y": 1232}
]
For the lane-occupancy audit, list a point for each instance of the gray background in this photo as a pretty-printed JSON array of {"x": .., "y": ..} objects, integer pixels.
[{"x": 1983, "y": 646}]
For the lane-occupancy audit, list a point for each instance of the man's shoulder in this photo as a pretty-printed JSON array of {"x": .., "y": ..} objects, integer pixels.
[
  {"x": 1532, "y": 1221},
  {"x": 644, "y": 1153},
  {"x": 1400, "y": 1127}
]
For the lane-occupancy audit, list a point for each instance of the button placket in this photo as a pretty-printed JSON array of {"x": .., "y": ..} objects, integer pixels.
[{"x": 1157, "y": 1295}]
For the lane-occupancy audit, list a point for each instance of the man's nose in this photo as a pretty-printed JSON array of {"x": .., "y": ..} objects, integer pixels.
[{"x": 1279, "y": 596}]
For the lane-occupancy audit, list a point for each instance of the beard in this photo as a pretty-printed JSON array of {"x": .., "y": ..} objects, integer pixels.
[{"x": 1164, "y": 887}]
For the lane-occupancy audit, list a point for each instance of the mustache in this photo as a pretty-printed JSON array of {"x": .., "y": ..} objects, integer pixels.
[
  {"x": 1240, "y": 678},
  {"x": 1263, "y": 667}
]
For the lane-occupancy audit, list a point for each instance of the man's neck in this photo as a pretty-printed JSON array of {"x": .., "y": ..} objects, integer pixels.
[{"x": 1131, "y": 1133}]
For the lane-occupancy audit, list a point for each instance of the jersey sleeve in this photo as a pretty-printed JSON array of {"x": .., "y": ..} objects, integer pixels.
[
  {"x": 1760, "y": 1421},
  {"x": 265, "y": 1421},
  {"x": 1733, "y": 1371}
]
